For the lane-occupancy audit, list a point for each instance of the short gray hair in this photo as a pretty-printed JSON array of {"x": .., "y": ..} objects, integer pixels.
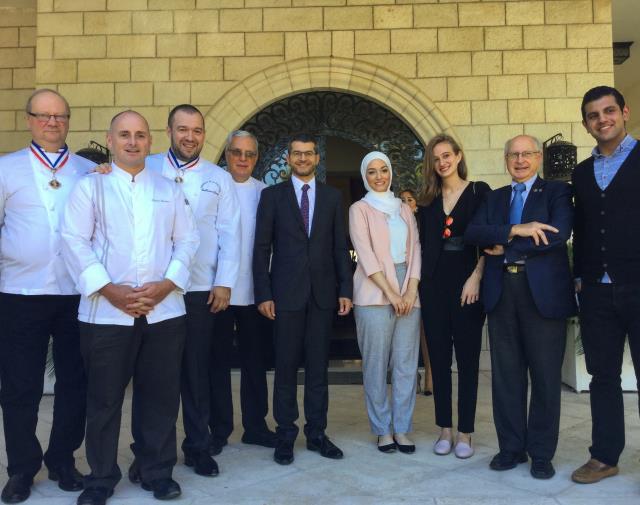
[
  {"x": 240, "y": 133},
  {"x": 537, "y": 143}
]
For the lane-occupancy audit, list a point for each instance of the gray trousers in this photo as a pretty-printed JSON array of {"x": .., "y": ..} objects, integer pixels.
[{"x": 387, "y": 341}]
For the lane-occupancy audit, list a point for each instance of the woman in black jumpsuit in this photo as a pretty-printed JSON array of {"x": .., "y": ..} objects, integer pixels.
[{"x": 449, "y": 289}]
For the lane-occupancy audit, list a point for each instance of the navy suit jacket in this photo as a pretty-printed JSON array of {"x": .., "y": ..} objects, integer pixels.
[
  {"x": 547, "y": 266},
  {"x": 288, "y": 265}
]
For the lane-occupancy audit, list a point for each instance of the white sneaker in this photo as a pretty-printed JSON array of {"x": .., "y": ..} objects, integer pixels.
[
  {"x": 442, "y": 447},
  {"x": 463, "y": 450}
]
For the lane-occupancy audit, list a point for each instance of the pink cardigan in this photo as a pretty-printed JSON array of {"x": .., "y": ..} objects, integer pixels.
[{"x": 370, "y": 237}]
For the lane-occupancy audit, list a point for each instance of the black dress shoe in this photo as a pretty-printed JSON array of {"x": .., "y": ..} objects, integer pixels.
[
  {"x": 406, "y": 449},
  {"x": 266, "y": 438},
  {"x": 542, "y": 469},
  {"x": 325, "y": 447},
  {"x": 215, "y": 446},
  {"x": 163, "y": 489},
  {"x": 387, "y": 448},
  {"x": 94, "y": 496},
  {"x": 67, "y": 477},
  {"x": 134, "y": 472},
  {"x": 202, "y": 464},
  {"x": 283, "y": 455},
  {"x": 17, "y": 489},
  {"x": 507, "y": 460}
]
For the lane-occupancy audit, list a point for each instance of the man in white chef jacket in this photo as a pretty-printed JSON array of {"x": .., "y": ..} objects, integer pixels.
[
  {"x": 214, "y": 272},
  {"x": 38, "y": 299},
  {"x": 129, "y": 242},
  {"x": 241, "y": 153}
]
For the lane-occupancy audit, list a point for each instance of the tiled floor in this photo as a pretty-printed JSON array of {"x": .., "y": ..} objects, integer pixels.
[{"x": 366, "y": 477}]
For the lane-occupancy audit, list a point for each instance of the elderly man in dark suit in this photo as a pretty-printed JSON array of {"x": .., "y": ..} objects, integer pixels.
[
  {"x": 299, "y": 225},
  {"x": 528, "y": 294}
]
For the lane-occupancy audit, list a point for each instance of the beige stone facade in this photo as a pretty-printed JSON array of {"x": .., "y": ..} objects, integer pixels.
[{"x": 481, "y": 70}]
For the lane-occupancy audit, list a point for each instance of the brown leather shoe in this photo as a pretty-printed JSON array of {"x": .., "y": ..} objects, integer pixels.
[{"x": 593, "y": 471}]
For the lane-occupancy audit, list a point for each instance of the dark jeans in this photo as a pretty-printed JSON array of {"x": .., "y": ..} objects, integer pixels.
[
  {"x": 302, "y": 336},
  {"x": 26, "y": 323},
  {"x": 449, "y": 327},
  {"x": 151, "y": 354},
  {"x": 253, "y": 381},
  {"x": 524, "y": 343},
  {"x": 608, "y": 314},
  {"x": 196, "y": 366}
]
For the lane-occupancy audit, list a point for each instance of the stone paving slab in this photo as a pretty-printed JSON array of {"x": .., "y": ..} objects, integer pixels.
[{"x": 366, "y": 477}]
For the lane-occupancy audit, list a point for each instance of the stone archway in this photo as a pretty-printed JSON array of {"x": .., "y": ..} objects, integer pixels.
[
  {"x": 375, "y": 83},
  {"x": 333, "y": 115}
]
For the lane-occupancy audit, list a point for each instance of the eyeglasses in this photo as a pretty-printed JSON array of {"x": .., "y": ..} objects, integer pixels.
[
  {"x": 448, "y": 221},
  {"x": 300, "y": 154},
  {"x": 58, "y": 118},
  {"x": 527, "y": 155},
  {"x": 239, "y": 153}
]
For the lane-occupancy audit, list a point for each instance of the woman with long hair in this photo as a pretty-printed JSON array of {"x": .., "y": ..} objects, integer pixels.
[
  {"x": 449, "y": 288},
  {"x": 384, "y": 234}
]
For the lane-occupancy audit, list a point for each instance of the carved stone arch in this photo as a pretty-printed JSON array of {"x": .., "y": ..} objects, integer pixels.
[{"x": 288, "y": 78}]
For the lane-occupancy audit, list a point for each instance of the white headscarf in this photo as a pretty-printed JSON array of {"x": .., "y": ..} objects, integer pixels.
[{"x": 383, "y": 201}]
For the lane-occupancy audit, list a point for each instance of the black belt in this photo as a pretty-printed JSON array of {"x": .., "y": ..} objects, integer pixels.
[
  {"x": 514, "y": 268},
  {"x": 453, "y": 244}
]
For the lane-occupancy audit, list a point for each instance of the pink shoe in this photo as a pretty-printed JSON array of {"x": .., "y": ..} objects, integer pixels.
[
  {"x": 463, "y": 450},
  {"x": 442, "y": 447}
]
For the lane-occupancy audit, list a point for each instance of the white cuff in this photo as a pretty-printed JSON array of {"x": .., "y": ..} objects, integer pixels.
[
  {"x": 178, "y": 274},
  {"x": 94, "y": 278}
]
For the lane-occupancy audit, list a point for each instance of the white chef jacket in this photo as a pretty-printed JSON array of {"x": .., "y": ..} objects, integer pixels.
[
  {"x": 30, "y": 213},
  {"x": 130, "y": 231},
  {"x": 249, "y": 196},
  {"x": 212, "y": 196}
]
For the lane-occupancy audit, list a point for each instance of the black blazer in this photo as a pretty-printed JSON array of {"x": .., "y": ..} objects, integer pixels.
[
  {"x": 431, "y": 223},
  {"x": 547, "y": 266},
  {"x": 301, "y": 266}
]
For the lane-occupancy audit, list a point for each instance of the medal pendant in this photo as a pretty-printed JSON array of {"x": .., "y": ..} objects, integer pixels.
[
  {"x": 178, "y": 179},
  {"x": 55, "y": 183}
]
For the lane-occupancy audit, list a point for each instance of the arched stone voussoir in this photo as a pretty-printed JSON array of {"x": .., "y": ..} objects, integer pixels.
[{"x": 284, "y": 79}]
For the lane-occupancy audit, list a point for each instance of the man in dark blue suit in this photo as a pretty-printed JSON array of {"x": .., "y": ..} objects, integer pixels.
[
  {"x": 302, "y": 274},
  {"x": 528, "y": 295}
]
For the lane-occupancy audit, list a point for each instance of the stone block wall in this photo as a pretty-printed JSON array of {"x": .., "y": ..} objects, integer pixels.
[
  {"x": 17, "y": 69},
  {"x": 491, "y": 69}
]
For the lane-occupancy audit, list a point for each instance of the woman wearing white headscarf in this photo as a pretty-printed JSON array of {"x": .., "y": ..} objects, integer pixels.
[{"x": 384, "y": 234}]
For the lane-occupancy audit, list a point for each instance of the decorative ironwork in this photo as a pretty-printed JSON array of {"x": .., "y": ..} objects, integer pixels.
[
  {"x": 560, "y": 158},
  {"x": 332, "y": 114},
  {"x": 95, "y": 152}
]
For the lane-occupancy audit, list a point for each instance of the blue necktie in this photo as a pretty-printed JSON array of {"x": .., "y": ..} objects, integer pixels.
[{"x": 515, "y": 212}]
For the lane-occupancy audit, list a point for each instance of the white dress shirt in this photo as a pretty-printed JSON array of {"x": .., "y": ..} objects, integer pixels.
[
  {"x": 129, "y": 231},
  {"x": 212, "y": 196},
  {"x": 249, "y": 196},
  {"x": 30, "y": 213},
  {"x": 311, "y": 193}
]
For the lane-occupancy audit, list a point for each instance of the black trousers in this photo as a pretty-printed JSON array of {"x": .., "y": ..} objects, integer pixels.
[
  {"x": 151, "y": 354},
  {"x": 608, "y": 314},
  {"x": 253, "y": 380},
  {"x": 449, "y": 327},
  {"x": 524, "y": 343},
  {"x": 302, "y": 336},
  {"x": 196, "y": 366},
  {"x": 26, "y": 323}
]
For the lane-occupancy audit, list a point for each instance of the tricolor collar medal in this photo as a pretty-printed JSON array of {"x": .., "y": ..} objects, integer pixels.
[
  {"x": 54, "y": 166},
  {"x": 180, "y": 167}
]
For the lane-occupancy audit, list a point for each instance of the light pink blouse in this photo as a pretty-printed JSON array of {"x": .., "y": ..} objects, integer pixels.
[{"x": 370, "y": 237}]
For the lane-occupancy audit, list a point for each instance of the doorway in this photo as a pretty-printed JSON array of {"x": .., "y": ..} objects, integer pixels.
[{"x": 347, "y": 127}]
